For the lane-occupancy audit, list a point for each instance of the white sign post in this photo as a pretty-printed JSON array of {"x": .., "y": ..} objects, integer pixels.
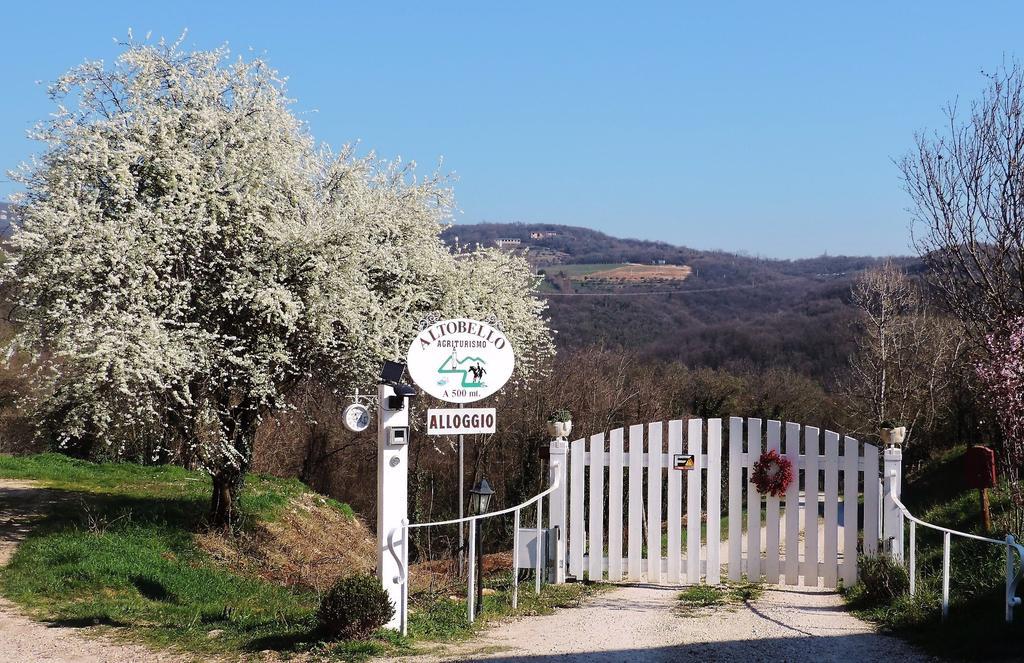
[
  {"x": 460, "y": 361},
  {"x": 392, "y": 497}
]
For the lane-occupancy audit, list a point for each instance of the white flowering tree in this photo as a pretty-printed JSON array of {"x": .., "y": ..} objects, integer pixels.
[{"x": 188, "y": 255}]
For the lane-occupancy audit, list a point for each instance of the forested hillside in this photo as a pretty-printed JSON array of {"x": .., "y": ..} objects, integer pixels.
[{"x": 730, "y": 311}]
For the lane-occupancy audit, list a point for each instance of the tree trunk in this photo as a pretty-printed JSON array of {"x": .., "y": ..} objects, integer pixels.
[
  {"x": 240, "y": 427},
  {"x": 227, "y": 486}
]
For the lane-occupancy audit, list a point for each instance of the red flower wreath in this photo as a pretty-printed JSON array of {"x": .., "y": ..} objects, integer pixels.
[{"x": 772, "y": 474}]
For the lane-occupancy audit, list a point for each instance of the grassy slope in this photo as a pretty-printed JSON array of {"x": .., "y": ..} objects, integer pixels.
[
  {"x": 580, "y": 270},
  {"x": 975, "y": 629},
  {"x": 119, "y": 550}
]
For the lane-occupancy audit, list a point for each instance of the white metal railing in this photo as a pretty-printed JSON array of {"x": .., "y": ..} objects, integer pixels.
[
  {"x": 1013, "y": 577},
  {"x": 403, "y": 561}
]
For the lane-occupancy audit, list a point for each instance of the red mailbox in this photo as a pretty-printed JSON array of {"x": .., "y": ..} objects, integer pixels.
[{"x": 980, "y": 467}]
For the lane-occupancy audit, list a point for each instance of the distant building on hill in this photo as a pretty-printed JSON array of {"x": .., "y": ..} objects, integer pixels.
[
  {"x": 507, "y": 242},
  {"x": 543, "y": 234}
]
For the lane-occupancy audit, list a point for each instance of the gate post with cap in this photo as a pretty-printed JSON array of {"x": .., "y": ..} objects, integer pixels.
[
  {"x": 892, "y": 517},
  {"x": 558, "y": 471}
]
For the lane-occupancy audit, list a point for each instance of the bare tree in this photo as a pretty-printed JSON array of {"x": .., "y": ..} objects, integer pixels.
[
  {"x": 901, "y": 368},
  {"x": 967, "y": 187}
]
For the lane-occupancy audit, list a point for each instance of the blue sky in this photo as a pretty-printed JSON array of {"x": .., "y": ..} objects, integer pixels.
[{"x": 768, "y": 128}]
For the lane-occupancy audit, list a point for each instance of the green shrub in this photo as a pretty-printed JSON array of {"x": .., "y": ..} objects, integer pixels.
[
  {"x": 882, "y": 580},
  {"x": 561, "y": 414},
  {"x": 354, "y": 608}
]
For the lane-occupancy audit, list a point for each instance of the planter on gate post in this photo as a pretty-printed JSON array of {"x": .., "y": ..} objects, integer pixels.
[
  {"x": 892, "y": 517},
  {"x": 560, "y": 424}
]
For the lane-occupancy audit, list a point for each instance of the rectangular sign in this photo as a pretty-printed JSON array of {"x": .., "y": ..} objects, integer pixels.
[
  {"x": 682, "y": 461},
  {"x": 466, "y": 421}
]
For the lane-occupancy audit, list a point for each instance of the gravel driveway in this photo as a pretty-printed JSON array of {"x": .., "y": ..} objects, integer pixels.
[{"x": 640, "y": 623}]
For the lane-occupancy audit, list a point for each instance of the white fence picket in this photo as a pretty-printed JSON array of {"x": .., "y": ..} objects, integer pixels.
[
  {"x": 793, "y": 505},
  {"x": 830, "y": 552},
  {"x": 694, "y": 445},
  {"x": 576, "y": 541},
  {"x": 771, "y": 562},
  {"x": 596, "y": 529},
  {"x": 753, "y": 502},
  {"x": 812, "y": 487},
  {"x": 735, "y": 498},
  {"x": 675, "y": 498},
  {"x": 615, "y": 505},
  {"x": 636, "y": 501},
  {"x": 714, "y": 506},
  {"x": 851, "y": 454},
  {"x": 871, "y": 497},
  {"x": 655, "y": 448}
]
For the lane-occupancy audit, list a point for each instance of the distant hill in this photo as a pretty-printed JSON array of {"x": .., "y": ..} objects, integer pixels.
[
  {"x": 577, "y": 244},
  {"x": 573, "y": 244},
  {"x": 728, "y": 309}
]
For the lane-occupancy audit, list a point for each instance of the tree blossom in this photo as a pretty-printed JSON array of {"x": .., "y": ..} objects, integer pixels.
[
  {"x": 188, "y": 255},
  {"x": 1001, "y": 373}
]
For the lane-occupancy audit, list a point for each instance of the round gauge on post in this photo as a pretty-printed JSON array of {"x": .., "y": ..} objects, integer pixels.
[{"x": 356, "y": 418}]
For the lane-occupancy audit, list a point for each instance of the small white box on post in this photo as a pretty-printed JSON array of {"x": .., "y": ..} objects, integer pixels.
[
  {"x": 892, "y": 517},
  {"x": 558, "y": 472}
]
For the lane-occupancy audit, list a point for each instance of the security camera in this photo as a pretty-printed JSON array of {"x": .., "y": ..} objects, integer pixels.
[{"x": 402, "y": 391}]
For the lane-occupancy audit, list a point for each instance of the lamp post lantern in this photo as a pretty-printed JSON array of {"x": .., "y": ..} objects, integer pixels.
[
  {"x": 480, "y": 497},
  {"x": 479, "y": 504}
]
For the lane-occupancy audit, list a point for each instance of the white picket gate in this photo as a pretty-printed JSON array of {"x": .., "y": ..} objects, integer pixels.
[{"x": 612, "y": 519}]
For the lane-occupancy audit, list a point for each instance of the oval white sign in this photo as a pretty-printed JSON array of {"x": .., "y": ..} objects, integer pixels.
[{"x": 460, "y": 360}]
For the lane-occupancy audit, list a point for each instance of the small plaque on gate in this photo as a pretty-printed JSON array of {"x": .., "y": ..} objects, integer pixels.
[{"x": 682, "y": 461}]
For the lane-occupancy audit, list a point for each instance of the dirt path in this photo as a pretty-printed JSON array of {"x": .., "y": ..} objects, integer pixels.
[
  {"x": 641, "y": 623},
  {"x": 22, "y": 639}
]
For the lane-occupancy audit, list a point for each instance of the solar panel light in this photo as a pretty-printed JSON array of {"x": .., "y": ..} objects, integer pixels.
[{"x": 391, "y": 372}]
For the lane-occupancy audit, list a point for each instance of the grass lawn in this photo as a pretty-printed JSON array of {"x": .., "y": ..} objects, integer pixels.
[
  {"x": 163, "y": 487},
  {"x": 723, "y": 534},
  {"x": 723, "y": 530},
  {"x": 119, "y": 550}
]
